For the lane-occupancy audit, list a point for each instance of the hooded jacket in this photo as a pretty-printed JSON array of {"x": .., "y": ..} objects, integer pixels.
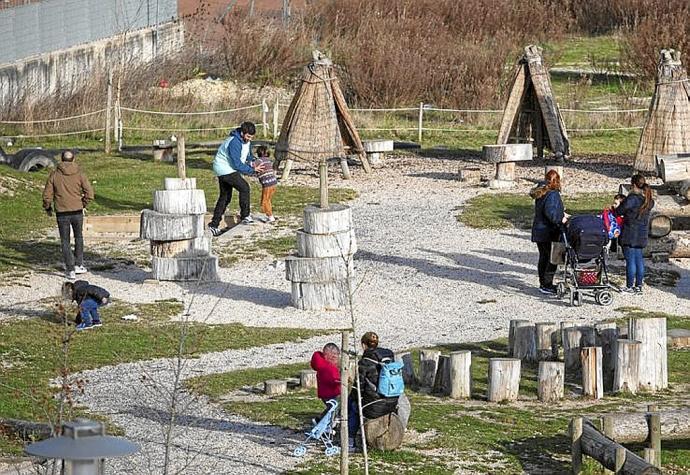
[
  {"x": 635, "y": 232},
  {"x": 548, "y": 214},
  {"x": 68, "y": 187},
  {"x": 82, "y": 290},
  {"x": 327, "y": 377},
  {"x": 373, "y": 404},
  {"x": 228, "y": 158}
]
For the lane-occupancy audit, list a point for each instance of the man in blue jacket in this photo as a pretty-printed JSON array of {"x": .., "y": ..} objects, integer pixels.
[{"x": 233, "y": 159}]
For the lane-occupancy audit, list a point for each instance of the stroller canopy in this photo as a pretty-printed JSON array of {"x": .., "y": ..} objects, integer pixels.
[{"x": 587, "y": 236}]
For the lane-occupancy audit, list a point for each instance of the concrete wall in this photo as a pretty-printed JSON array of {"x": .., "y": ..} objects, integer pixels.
[{"x": 43, "y": 75}]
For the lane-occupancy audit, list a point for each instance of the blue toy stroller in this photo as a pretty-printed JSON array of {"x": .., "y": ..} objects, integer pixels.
[{"x": 323, "y": 430}]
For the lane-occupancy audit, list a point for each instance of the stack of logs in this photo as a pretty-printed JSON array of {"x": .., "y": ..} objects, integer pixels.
[
  {"x": 321, "y": 275},
  {"x": 180, "y": 248}
]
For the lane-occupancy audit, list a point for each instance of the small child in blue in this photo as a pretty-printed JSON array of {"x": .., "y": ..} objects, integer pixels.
[
  {"x": 268, "y": 181},
  {"x": 90, "y": 298}
]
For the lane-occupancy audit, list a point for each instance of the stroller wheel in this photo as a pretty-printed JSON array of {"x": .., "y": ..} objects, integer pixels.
[
  {"x": 560, "y": 290},
  {"x": 331, "y": 451},
  {"x": 299, "y": 451},
  {"x": 604, "y": 298}
]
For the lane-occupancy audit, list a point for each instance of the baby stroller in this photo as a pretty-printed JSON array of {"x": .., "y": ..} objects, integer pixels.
[
  {"x": 323, "y": 430},
  {"x": 585, "y": 269}
]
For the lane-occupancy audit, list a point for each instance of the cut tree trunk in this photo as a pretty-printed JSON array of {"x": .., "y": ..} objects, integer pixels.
[
  {"x": 504, "y": 379},
  {"x": 571, "y": 348},
  {"x": 202, "y": 268},
  {"x": 674, "y": 171},
  {"x": 307, "y": 378},
  {"x": 320, "y": 295},
  {"x": 547, "y": 341},
  {"x": 442, "y": 379},
  {"x": 592, "y": 376},
  {"x": 336, "y": 218},
  {"x": 653, "y": 367},
  {"x": 409, "y": 375},
  {"x": 275, "y": 387},
  {"x": 179, "y": 183},
  {"x": 461, "y": 374},
  {"x": 633, "y": 427},
  {"x": 525, "y": 343},
  {"x": 511, "y": 334},
  {"x": 337, "y": 244},
  {"x": 179, "y": 201},
  {"x": 170, "y": 227},
  {"x": 186, "y": 248},
  {"x": 626, "y": 376},
  {"x": 428, "y": 364},
  {"x": 551, "y": 381},
  {"x": 607, "y": 338},
  {"x": 384, "y": 433},
  {"x": 312, "y": 269},
  {"x": 660, "y": 225}
]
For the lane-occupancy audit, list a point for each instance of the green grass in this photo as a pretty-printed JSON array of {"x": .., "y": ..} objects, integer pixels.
[
  {"x": 505, "y": 210},
  {"x": 583, "y": 50}
]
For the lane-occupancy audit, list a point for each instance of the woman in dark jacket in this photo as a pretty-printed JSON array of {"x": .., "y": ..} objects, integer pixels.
[
  {"x": 374, "y": 405},
  {"x": 549, "y": 215},
  {"x": 635, "y": 210}
]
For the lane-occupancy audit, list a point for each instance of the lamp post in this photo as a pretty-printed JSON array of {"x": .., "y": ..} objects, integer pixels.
[{"x": 83, "y": 447}]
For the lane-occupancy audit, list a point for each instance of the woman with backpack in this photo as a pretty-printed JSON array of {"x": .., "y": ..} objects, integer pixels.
[
  {"x": 374, "y": 404},
  {"x": 549, "y": 216},
  {"x": 635, "y": 210}
]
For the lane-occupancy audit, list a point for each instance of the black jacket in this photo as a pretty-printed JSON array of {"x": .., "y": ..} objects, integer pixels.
[
  {"x": 635, "y": 230},
  {"x": 548, "y": 216},
  {"x": 82, "y": 290},
  {"x": 373, "y": 404}
]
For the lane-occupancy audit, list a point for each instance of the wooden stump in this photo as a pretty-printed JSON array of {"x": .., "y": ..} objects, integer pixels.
[
  {"x": 607, "y": 338},
  {"x": 470, "y": 175},
  {"x": 275, "y": 387},
  {"x": 384, "y": 433},
  {"x": 197, "y": 247},
  {"x": 626, "y": 376},
  {"x": 179, "y": 201},
  {"x": 572, "y": 338},
  {"x": 653, "y": 367},
  {"x": 404, "y": 409},
  {"x": 547, "y": 341},
  {"x": 307, "y": 379},
  {"x": 170, "y": 227},
  {"x": 551, "y": 378},
  {"x": 336, "y": 218},
  {"x": 504, "y": 379},
  {"x": 461, "y": 374},
  {"x": 409, "y": 376},
  {"x": 375, "y": 150},
  {"x": 505, "y": 156},
  {"x": 428, "y": 363},
  {"x": 592, "y": 377},
  {"x": 179, "y": 183},
  {"x": 442, "y": 379},
  {"x": 320, "y": 295},
  {"x": 525, "y": 343},
  {"x": 202, "y": 268},
  {"x": 312, "y": 269},
  {"x": 511, "y": 334},
  {"x": 326, "y": 245},
  {"x": 564, "y": 325}
]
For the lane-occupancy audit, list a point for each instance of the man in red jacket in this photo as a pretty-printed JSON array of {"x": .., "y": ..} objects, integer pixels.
[{"x": 325, "y": 363}]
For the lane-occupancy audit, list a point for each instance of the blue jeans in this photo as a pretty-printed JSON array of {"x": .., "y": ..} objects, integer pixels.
[
  {"x": 634, "y": 266},
  {"x": 352, "y": 418},
  {"x": 88, "y": 310}
]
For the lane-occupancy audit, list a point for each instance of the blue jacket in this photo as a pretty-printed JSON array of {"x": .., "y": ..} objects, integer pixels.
[
  {"x": 227, "y": 159},
  {"x": 635, "y": 230},
  {"x": 548, "y": 216}
]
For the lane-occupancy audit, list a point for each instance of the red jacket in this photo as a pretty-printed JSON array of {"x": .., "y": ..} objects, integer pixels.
[{"x": 327, "y": 376}]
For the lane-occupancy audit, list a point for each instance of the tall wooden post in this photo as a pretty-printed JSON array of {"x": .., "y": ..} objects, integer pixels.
[
  {"x": 181, "y": 158},
  {"x": 118, "y": 114},
  {"x": 654, "y": 424},
  {"x": 420, "y": 122},
  {"x": 575, "y": 447},
  {"x": 323, "y": 184},
  {"x": 264, "y": 116},
  {"x": 108, "y": 111},
  {"x": 275, "y": 120},
  {"x": 344, "y": 377}
]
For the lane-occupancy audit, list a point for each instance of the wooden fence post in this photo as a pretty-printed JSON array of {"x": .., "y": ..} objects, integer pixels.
[
  {"x": 275, "y": 120},
  {"x": 420, "y": 122},
  {"x": 654, "y": 424},
  {"x": 323, "y": 184},
  {"x": 575, "y": 448},
  {"x": 108, "y": 111},
  {"x": 264, "y": 115},
  {"x": 607, "y": 429},
  {"x": 344, "y": 376},
  {"x": 181, "y": 158}
]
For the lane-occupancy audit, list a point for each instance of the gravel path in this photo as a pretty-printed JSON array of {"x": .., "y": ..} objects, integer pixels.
[{"x": 425, "y": 279}]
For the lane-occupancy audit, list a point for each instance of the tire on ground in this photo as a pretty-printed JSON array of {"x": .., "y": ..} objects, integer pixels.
[{"x": 33, "y": 161}]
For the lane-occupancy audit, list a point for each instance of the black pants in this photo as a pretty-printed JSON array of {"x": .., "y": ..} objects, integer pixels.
[
  {"x": 545, "y": 268},
  {"x": 226, "y": 183},
  {"x": 75, "y": 222}
]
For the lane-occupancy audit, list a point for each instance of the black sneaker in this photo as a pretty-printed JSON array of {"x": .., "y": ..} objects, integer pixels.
[
  {"x": 638, "y": 290},
  {"x": 214, "y": 230},
  {"x": 548, "y": 290},
  {"x": 96, "y": 323},
  {"x": 628, "y": 290}
]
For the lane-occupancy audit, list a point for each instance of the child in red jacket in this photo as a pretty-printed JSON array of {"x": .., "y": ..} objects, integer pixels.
[{"x": 325, "y": 363}]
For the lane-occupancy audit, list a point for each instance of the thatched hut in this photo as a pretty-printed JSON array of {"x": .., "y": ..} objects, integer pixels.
[
  {"x": 667, "y": 129},
  {"x": 531, "y": 113},
  {"x": 318, "y": 125}
]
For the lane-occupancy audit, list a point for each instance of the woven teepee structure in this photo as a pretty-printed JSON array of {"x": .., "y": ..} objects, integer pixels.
[
  {"x": 318, "y": 125},
  {"x": 667, "y": 129},
  {"x": 531, "y": 111}
]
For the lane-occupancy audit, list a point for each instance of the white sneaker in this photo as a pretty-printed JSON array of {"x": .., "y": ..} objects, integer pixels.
[
  {"x": 271, "y": 219},
  {"x": 248, "y": 220},
  {"x": 80, "y": 270},
  {"x": 70, "y": 275}
]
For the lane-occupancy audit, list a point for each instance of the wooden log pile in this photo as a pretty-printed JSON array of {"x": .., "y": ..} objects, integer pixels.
[{"x": 321, "y": 274}]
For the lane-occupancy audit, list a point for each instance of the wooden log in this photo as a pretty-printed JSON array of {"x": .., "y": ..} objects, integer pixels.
[
  {"x": 200, "y": 246},
  {"x": 547, "y": 341},
  {"x": 307, "y": 378},
  {"x": 345, "y": 168},
  {"x": 275, "y": 387},
  {"x": 286, "y": 169},
  {"x": 170, "y": 227},
  {"x": 561, "y": 335},
  {"x": 428, "y": 364},
  {"x": 179, "y": 201},
  {"x": 181, "y": 157},
  {"x": 185, "y": 269},
  {"x": 525, "y": 343},
  {"x": 654, "y": 426},
  {"x": 323, "y": 184},
  {"x": 504, "y": 379},
  {"x": 551, "y": 377},
  {"x": 511, "y": 333},
  {"x": 179, "y": 184},
  {"x": 442, "y": 379},
  {"x": 320, "y": 295},
  {"x": 504, "y": 177},
  {"x": 596, "y": 445},
  {"x": 336, "y": 218},
  {"x": 575, "y": 430},
  {"x": 461, "y": 374},
  {"x": 470, "y": 175},
  {"x": 378, "y": 145},
  {"x": 674, "y": 171},
  {"x": 409, "y": 375},
  {"x": 626, "y": 376},
  {"x": 660, "y": 225},
  {"x": 25, "y": 430},
  {"x": 592, "y": 376},
  {"x": 682, "y": 187},
  {"x": 675, "y": 245},
  {"x": 634, "y": 427},
  {"x": 607, "y": 339},
  {"x": 340, "y": 244},
  {"x": 384, "y": 433},
  {"x": 571, "y": 348},
  {"x": 653, "y": 366},
  {"x": 318, "y": 269},
  {"x": 513, "y": 152}
]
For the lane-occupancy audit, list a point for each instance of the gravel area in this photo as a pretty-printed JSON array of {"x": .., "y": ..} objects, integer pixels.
[{"x": 425, "y": 279}]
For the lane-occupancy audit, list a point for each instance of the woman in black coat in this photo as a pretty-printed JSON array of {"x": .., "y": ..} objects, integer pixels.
[
  {"x": 549, "y": 215},
  {"x": 635, "y": 210}
]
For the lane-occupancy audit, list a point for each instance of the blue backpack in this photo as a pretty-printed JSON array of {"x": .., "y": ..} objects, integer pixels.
[{"x": 391, "y": 382}]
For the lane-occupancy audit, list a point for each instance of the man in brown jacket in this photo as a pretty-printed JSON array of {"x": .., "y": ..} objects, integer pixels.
[{"x": 71, "y": 191}]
